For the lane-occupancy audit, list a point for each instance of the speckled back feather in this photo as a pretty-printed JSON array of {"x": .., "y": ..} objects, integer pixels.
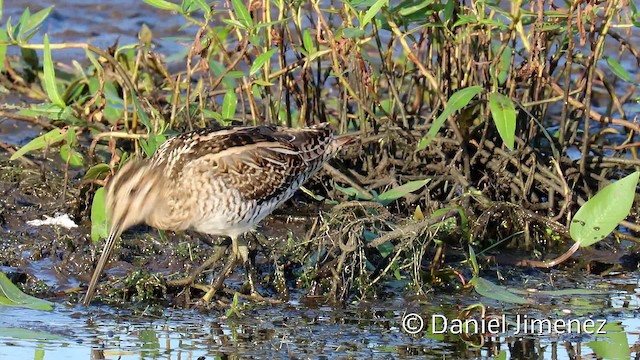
[{"x": 261, "y": 162}]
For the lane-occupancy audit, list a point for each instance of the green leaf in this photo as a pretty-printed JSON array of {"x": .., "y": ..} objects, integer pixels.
[
  {"x": 503, "y": 113},
  {"x": 10, "y": 295},
  {"x": 3, "y": 48},
  {"x": 97, "y": 172},
  {"x": 353, "y": 192},
  {"x": 501, "y": 71},
  {"x": 474, "y": 261},
  {"x": 351, "y": 33},
  {"x": 390, "y": 196},
  {"x": 456, "y": 102},
  {"x": 597, "y": 218},
  {"x": 487, "y": 288},
  {"x": 36, "y": 20},
  {"x": 144, "y": 118},
  {"x": 373, "y": 11},
  {"x": 410, "y": 7},
  {"x": 99, "y": 221},
  {"x": 163, "y": 5},
  {"x": 50, "y": 76},
  {"x": 242, "y": 13},
  {"x": 150, "y": 145},
  {"x": 385, "y": 249},
  {"x": 613, "y": 344},
  {"x": 260, "y": 60},
  {"x": 308, "y": 42},
  {"x": 19, "y": 29},
  {"x": 229, "y": 104},
  {"x": 43, "y": 141},
  {"x": 69, "y": 154},
  {"x": 20, "y": 333},
  {"x": 618, "y": 70}
]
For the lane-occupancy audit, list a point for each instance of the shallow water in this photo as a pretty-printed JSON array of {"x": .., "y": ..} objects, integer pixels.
[{"x": 366, "y": 330}]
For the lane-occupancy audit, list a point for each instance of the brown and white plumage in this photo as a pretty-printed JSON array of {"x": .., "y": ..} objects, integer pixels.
[{"x": 218, "y": 182}]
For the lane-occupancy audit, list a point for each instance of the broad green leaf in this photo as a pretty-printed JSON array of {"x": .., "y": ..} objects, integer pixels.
[
  {"x": 503, "y": 113},
  {"x": 501, "y": 71},
  {"x": 618, "y": 70},
  {"x": 373, "y": 11},
  {"x": 408, "y": 8},
  {"x": 151, "y": 144},
  {"x": 351, "y": 33},
  {"x": 260, "y": 60},
  {"x": 242, "y": 13},
  {"x": 456, "y": 102},
  {"x": 163, "y": 5},
  {"x": 487, "y": 288},
  {"x": 97, "y": 172},
  {"x": 20, "y": 333},
  {"x": 206, "y": 8},
  {"x": 561, "y": 292},
  {"x": 22, "y": 22},
  {"x": 36, "y": 20},
  {"x": 613, "y": 344},
  {"x": 390, "y": 196},
  {"x": 597, "y": 218},
  {"x": 385, "y": 249},
  {"x": 229, "y": 104},
  {"x": 41, "y": 142},
  {"x": 308, "y": 42},
  {"x": 50, "y": 76},
  {"x": 71, "y": 155},
  {"x": 10, "y": 295},
  {"x": 99, "y": 221}
]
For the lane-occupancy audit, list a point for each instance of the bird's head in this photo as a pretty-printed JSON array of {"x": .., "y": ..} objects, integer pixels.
[{"x": 132, "y": 195}]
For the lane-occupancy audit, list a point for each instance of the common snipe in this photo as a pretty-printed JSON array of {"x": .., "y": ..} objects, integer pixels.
[{"x": 218, "y": 182}]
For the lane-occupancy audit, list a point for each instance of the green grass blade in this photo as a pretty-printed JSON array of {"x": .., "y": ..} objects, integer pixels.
[
  {"x": 164, "y": 5},
  {"x": 229, "y": 105},
  {"x": 457, "y": 101},
  {"x": 244, "y": 17},
  {"x": 48, "y": 139},
  {"x": 260, "y": 60},
  {"x": 50, "y": 76}
]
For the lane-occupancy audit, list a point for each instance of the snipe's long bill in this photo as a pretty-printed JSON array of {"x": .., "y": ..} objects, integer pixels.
[{"x": 218, "y": 182}]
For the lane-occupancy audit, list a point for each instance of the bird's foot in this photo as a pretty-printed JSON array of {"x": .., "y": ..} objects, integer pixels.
[
  {"x": 219, "y": 281},
  {"x": 218, "y": 252}
]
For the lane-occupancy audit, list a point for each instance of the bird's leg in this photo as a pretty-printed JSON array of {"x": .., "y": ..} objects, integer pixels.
[
  {"x": 250, "y": 270},
  {"x": 241, "y": 252},
  {"x": 240, "y": 248},
  {"x": 218, "y": 252},
  {"x": 217, "y": 284}
]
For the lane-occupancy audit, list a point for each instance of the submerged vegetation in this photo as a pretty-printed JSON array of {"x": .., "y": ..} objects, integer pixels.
[{"x": 482, "y": 126}]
